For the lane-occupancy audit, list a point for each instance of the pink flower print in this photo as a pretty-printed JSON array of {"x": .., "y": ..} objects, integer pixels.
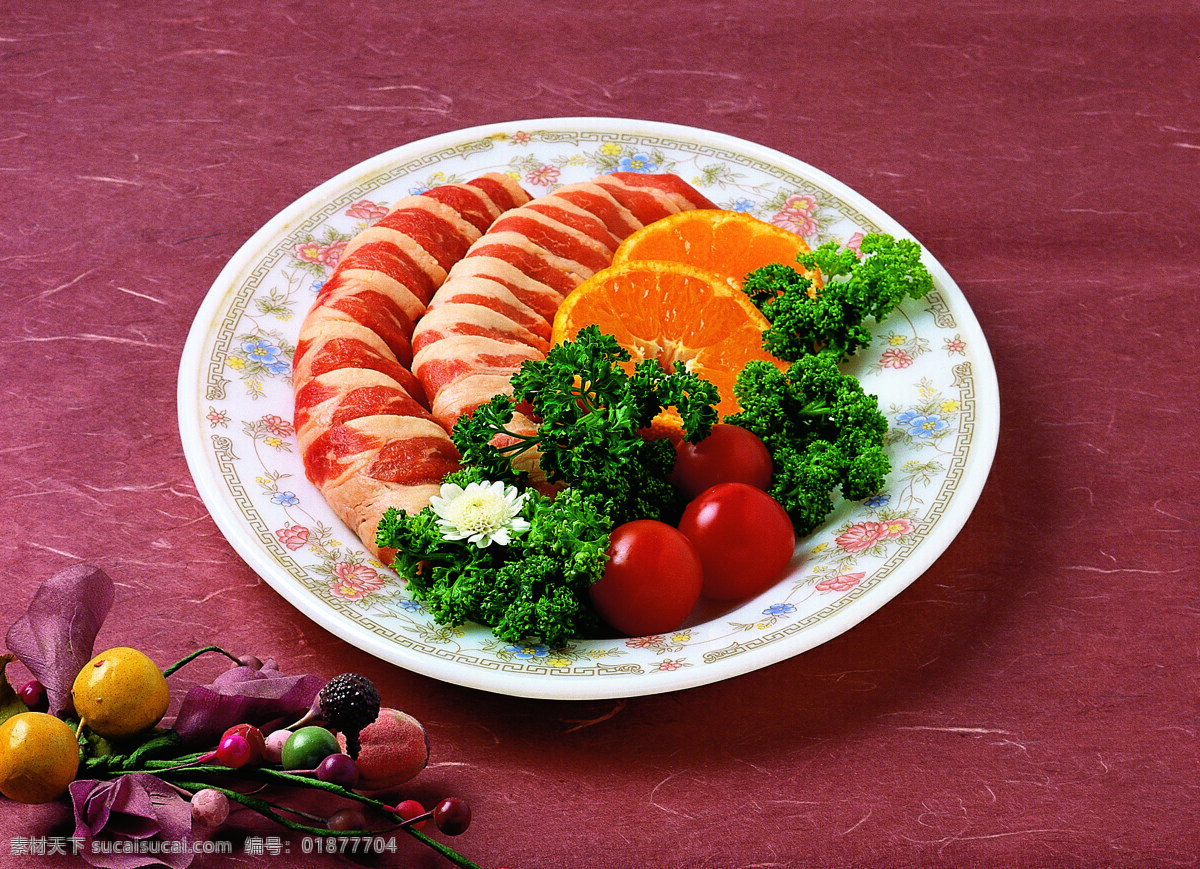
[
  {"x": 956, "y": 346},
  {"x": 521, "y": 137},
  {"x": 669, "y": 665},
  {"x": 854, "y": 243},
  {"x": 643, "y": 642},
  {"x": 365, "y": 209},
  {"x": 309, "y": 251},
  {"x": 293, "y": 537},
  {"x": 842, "y": 582},
  {"x": 277, "y": 425},
  {"x": 798, "y": 214},
  {"x": 352, "y": 581},
  {"x": 330, "y": 254},
  {"x": 894, "y": 358},
  {"x": 862, "y": 536},
  {"x": 542, "y": 175},
  {"x": 894, "y": 528},
  {"x": 323, "y": 254}
]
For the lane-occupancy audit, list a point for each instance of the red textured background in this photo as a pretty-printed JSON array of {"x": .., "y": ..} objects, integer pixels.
[{"x": 1031, "y": 700}]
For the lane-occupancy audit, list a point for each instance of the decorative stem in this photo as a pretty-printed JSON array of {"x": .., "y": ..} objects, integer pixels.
[
  {"x": 196, "y": 654},
  {"x": 521, "y": 443},
  {"x": 267, "y": 810}
]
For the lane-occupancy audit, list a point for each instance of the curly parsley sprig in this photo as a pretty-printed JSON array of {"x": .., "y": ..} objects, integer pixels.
[
  {"x": 824, "y": 433},
  {"x": 592, "y": 415},
  {"x": 532, "y": 588},
  {"x": 808, "y": 319}
]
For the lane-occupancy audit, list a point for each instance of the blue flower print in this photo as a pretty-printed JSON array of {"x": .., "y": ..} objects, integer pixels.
[
  {"x": 779, "y": 609},
  {"x": 922, "y": 425},
  {"x": 265, "y": 354},
  {"x": 636, "y": 163},
  {"x": 526, "y": 653},
  {"x": 260, "y": 350},
  {"x": 743, "y": 205},
  {"x": 285, "y": 499},
  {"x": 877, "y": 501}
]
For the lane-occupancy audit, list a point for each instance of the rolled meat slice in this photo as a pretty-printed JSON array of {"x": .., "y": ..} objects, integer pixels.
[
  {"x": 468, "y": 318},
  {"x": 502, "y": 298},
  {"x": 651, "y": 197},
  {"x": 363, "y": 426},
  {"x": 430, "y": 312},
  {"x": 534, "y": 256},
  {"x": 375, "y": 462}
]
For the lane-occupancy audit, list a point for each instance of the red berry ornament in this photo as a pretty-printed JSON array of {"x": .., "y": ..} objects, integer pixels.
[
  {"x": 410, "y": 809},
  {"x": 254, "y": 738},
  {"x": 452, "y": 816},
  {"x": 234, "y": 751},
  {"x": 33, "y": 695}
]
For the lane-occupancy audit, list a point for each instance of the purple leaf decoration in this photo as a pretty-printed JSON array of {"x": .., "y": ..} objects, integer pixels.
[
  {"x": 131, "y": 808},
  {"x": 243, "y": 695},
  {"x": 54, "y": 638}
]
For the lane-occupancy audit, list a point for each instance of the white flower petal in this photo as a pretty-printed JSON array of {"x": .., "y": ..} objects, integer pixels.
[
  {"x": 450, "y": 532},
  {"x": 481, "y": 513}
]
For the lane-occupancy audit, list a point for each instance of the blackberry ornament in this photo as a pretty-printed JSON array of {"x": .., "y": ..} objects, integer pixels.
[{"x": 349, "y": 703}]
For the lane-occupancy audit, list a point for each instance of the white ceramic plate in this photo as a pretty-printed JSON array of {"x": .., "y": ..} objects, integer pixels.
[{"x": 929, "y": 364}]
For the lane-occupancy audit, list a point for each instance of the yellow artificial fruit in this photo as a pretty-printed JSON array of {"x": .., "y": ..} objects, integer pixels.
[
  {"x": 120, "y": 693},
  {"x": 39, "y": 757}
]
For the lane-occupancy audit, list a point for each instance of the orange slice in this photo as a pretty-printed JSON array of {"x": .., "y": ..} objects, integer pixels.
[
  {"x": 671, "y": 312},
  {"x": 728, "y": 243}
]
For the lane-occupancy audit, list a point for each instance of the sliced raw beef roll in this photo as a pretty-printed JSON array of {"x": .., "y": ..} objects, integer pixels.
[
  {"x": 428, "y": 315},
  {"x": 363, "y": 426},
  {"x": 495, "y": 308}
]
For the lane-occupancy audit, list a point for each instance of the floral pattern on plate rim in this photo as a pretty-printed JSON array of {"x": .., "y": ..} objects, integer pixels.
[{"x": 919, "y": 365}]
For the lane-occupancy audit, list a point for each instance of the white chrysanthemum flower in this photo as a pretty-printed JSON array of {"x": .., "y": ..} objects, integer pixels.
[{"x": 482, "y": 513}]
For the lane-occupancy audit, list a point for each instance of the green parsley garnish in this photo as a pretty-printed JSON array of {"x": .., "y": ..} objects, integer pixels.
[{"x": 591, "y": 417}]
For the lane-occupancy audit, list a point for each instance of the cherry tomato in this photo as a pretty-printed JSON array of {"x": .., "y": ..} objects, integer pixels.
[
  {"x": 652, "y": 579},
  {"x": 730, "y": 454},
  {"x": 743, "y": 537}
]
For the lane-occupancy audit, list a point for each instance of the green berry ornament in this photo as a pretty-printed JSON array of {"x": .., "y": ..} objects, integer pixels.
[{"x": 307, "y": 747}]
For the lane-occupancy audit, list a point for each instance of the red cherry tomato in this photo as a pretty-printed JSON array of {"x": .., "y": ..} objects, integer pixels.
[
  {"x": 743, "y": 537},
  {"x": 730, "y": 454},
  {"x": 652, "y": 579}
]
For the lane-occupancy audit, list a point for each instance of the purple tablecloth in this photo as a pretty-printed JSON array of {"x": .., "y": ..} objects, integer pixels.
[{"x": 1030, "y": 700}]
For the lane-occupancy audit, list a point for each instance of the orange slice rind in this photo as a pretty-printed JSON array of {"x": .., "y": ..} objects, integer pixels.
[{"x": 730, "y": 244}]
